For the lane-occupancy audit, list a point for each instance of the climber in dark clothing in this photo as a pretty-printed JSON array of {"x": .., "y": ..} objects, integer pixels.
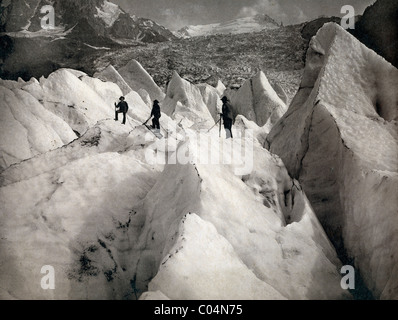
[
  {"x": 156, "y": 114},
  {"x": 122, "y": 107},
  {"x": 228, "y": 117}
]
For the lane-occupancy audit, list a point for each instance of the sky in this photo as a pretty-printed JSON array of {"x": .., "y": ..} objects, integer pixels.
[{"x": 176, "y": 14}]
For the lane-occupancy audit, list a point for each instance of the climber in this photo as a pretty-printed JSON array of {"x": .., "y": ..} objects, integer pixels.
[
  {"x": 227, "y": 115},
  {"x": 122, "y": 107},
  {"x": 156, "y": 114}
]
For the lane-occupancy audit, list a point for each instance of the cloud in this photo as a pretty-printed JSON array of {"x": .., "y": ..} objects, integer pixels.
[
  {"x": 293, "y": 11},
  {"x": 179, "y": 17},
  {"x": 173, "y": 19},
  {"x": 261, "y": 6}
]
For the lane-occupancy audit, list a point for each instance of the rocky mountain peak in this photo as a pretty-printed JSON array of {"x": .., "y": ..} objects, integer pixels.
[{"x": 103, "y": 19}]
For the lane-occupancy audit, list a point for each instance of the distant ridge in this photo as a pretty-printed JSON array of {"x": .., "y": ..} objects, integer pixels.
[{"x": 241, "y": 25}]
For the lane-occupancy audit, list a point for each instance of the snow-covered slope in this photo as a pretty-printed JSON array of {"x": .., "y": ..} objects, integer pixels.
[
  {"x": 340, "y": 139},
  {"x": 237, "y": 26}
]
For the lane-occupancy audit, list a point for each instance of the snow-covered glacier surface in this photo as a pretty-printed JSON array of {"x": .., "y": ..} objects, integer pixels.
[
  {"x": 115, "y": 225},
  {"x": 98, "y": 201}
]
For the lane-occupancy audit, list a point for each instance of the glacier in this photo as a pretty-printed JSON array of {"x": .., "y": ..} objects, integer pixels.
[{"x": 79, "y": 193}]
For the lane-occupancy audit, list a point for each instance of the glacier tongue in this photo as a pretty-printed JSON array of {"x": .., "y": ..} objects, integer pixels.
[{"x": 339, "y": 138}]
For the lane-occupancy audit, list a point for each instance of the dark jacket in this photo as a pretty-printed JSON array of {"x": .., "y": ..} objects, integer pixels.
[
  {"x": 123, "y": 106},
  {"x": 227, "y": 112},
  {"x": 156, "y": 113}
]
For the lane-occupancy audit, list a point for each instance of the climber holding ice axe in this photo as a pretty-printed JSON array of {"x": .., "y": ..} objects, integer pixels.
[
  {"x": 156, "y": 114},
  {"x": 121, "y": 107},
  {"x": 227, "y": 116}
]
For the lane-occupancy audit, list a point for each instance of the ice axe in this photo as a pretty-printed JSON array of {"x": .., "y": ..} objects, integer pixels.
[
  {"x": 215, "y": 125},
  {"x": 220, "y": 125},
  {"x": 144, "y": 124}
]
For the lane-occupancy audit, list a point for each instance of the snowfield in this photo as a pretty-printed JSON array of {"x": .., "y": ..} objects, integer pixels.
[{"x": 105, "y": 205}]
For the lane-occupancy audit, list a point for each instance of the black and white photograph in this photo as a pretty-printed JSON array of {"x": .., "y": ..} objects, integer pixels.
[{"x": 186, "y": 150}]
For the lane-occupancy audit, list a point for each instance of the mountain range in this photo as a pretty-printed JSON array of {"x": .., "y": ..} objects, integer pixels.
[{"x": 92, "y": 21}]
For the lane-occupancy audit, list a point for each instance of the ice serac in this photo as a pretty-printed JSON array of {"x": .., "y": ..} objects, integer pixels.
[
  {"x": 70, "y": 215},
  {"x": 79, "y": 100},
  {"x": 41, "y": 116},
  {"x": 219, "y": 275},
  {"x": 220, "y": 87},
  {"x": 339, "y": 138},
  {"x": 258, "y": 101},
  {"x": 110, "y": 93},
  {"x": 280, "y": 92},
  {"x": 212, "y": 99},
  {"x": 184, "y": 100},
  {"x": 258, "y": 232},
  {"x": 116, "y": 225},
  {"x": 27, "y": 127},
  {"x": 138, "y": 78},
  {"x": 111, "y": 74}
]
